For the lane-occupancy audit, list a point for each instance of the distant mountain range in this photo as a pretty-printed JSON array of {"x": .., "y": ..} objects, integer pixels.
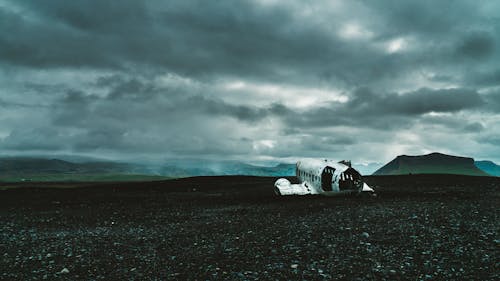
[
  {"x": 42, "y": 169},
  {"x": 489, "y": 167},
  {"x": 434, "y": 163},
  {"x": 26, "y": 168},
  {"x": 83, "y": 169},
  {"x": 197, "y": 167},
  {"x": 22, "y": 166}
]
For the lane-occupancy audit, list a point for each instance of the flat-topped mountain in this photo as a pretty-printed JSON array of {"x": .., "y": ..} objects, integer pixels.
[{"x": 434, "y": 163}]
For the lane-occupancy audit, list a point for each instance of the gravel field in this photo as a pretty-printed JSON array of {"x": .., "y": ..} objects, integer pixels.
[{"x": 233, "y": 228}]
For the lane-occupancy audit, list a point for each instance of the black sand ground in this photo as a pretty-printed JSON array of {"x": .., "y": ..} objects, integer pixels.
[{"x": 233, "y": 228}]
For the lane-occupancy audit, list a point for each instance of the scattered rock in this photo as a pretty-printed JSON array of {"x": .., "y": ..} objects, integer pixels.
[
  {"x": 167, "y": 234},
  {"x": 64, "y": 271}
]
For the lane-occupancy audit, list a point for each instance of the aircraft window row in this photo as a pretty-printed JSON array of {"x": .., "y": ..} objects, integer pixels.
[
  {"x": 329, "y": 171},
  {"x": 345, "y": 177}
]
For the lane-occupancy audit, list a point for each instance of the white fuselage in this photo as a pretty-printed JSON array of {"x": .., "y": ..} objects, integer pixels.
[{"x": 322, "y": 177}]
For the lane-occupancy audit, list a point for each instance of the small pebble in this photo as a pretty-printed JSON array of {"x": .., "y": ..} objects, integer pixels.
[{"x": 64, "y": 271}]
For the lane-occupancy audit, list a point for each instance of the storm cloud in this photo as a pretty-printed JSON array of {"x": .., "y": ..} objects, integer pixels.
[{"x": 258, "y": 80}]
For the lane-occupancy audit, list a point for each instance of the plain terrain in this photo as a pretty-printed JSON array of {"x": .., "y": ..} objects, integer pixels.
[{"x": 214, "y": 228}]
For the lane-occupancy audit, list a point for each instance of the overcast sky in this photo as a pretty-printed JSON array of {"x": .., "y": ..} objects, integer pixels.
[{"x": 256, "y": 80}]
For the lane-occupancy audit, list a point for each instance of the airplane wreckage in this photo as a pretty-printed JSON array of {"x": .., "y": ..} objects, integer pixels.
[{"x": 325, "y": 177}]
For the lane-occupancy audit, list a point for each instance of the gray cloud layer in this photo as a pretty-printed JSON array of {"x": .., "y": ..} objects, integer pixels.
[{"x": 250, "y": 79}]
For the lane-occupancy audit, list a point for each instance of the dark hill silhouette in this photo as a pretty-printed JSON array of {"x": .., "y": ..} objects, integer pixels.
[
  {"x": 434, "y": 163},
  {"x": 28, "y": 166}
]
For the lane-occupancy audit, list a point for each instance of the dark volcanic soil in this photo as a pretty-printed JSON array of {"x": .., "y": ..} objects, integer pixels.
[{"x": 214, "y": 228}]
